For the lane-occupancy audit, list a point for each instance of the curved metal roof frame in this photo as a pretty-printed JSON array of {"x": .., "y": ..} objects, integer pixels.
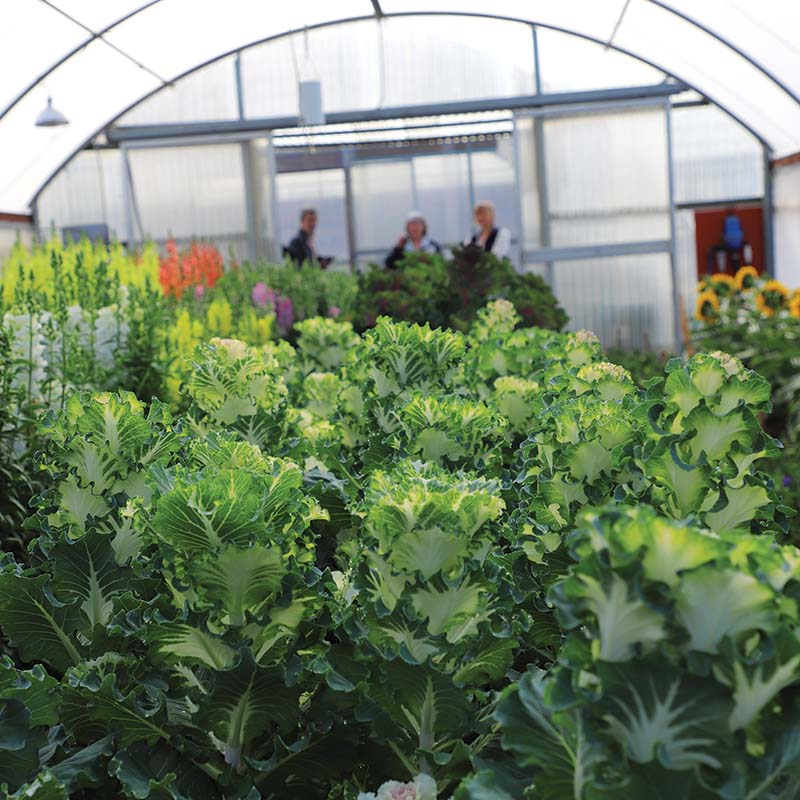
[
  {"x": 378, "y": 12},
  {"x": 42, "y": 76}
]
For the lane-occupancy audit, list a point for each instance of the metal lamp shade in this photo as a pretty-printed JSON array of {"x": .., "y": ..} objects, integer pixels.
[{"x": 51, "y": 117}]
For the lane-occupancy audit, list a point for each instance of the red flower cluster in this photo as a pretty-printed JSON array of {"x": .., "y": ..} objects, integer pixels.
[{"x": 199, "y": 265}]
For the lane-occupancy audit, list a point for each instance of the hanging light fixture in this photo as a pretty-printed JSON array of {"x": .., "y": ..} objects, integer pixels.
[
  {"x": 51, "y": 117},
  {"x": 310, "y": 91}
]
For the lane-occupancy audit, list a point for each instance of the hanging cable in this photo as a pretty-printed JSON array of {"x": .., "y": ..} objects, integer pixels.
[
  {"x": 95, "y": 35},
  {"x": 618, "y": 23},
  {"x": 381, "y": 64}
]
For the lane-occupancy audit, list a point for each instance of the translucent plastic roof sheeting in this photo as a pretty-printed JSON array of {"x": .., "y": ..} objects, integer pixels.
[{"x": 739, "y": 54}]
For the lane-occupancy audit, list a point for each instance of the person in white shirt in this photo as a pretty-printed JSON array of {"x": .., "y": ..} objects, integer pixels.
[
  {"x": 494, "y": 240},
  {"x": 415, "y": 239}
]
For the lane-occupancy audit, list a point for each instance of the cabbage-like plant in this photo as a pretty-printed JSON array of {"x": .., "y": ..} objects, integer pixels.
[{"x": 679, "y": 674}]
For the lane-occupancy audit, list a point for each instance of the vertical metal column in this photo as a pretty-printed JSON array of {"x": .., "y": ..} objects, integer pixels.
[
  {"x": 673, "y": 253},
  {"x": 414, "y": 195},
  {"x": 349, "y": 207},
  {"x": 253, "y": 196},
  {"x": 274, "y": 213},
  {"x": 768, "y": 210},
  {"x": 470, "y": 178},
  {"x": 518, "y": 190},
  {"x": 545, "y": 236},
  {"x": 127, "y": 199}
]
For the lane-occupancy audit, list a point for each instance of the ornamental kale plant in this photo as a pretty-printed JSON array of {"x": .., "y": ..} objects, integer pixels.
[
  {"x": 351, "y": 569},
  {"x": 677, "y": 678}
]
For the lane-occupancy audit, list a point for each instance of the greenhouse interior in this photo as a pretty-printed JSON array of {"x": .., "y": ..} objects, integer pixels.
[{"x": 400, "y": 400}]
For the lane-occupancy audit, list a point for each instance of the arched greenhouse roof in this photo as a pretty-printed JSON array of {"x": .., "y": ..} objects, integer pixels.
[{"x": 99, "y": 58}]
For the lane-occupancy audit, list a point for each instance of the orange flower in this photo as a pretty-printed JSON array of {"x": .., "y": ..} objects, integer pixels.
[
  {"x": 199, "y": 266},
  {"x": 746, "y": 278}
]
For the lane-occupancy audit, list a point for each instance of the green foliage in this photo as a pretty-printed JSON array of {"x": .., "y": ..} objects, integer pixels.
[
  {"x": 677, "y": 674},
  {"x": 428, "y": 288},
  {"x": 352, "y": 566}
]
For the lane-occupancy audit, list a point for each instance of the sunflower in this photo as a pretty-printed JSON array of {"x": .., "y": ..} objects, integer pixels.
[
  {"x": 722, "y": 284},
  {"x": 746, "y": 278},
  {"x": 707, "y": 306},
  {"x": 794, "y": 304},
  {"x": 771, "y": 298}
]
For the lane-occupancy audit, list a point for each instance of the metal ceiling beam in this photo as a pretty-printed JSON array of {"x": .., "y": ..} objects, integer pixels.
[{"x": 137, "y": 133}]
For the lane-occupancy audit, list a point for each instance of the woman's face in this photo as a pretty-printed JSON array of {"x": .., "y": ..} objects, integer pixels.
[
  {"x": 415, "y": 228},
  {"x": 484, "y": 217}
]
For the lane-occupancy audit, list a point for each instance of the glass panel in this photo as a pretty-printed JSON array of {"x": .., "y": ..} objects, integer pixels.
[
  {"x": 766, "y": 30},
  {"x": 32, "y": 38},
  {"x": 382, "y": 198},
  {"x": 494, "y": 180},
  {"x": 607, "y": 178},
  {"x": 571, "y": 64},
  {"x": 716, "y": 70},
  {"x": 88, "y": 90},
  {"x": 88, "y": 190},
  {"x": 394, "y": 63},
  {"x": 183, "y": 192},
  {"x": 529, "y": 190},
  {"x": 625, "y": 300},
  {"x": 209, "y": 94},
  {"x": 787, "y": 224},
  {"x": 715, "y": 159},
  {"x": 442, "y": 194},
  {"x": 323, "y": 190}
]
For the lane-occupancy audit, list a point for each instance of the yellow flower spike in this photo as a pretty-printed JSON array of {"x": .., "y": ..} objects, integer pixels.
[
  {"x": 707, "y": 309},
  {"x": 746, "y": 278}
]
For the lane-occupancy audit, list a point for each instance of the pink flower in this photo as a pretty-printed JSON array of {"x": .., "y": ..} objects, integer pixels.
[
  {"x": 262, "y": 295},
  {"x": 199, "y": 291},
  {"x": 334, "y": 311},
  {"x": 284, "y": 313}
]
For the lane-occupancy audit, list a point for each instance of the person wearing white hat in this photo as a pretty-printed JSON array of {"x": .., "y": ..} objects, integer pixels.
[{"x": 414, "y": 240}]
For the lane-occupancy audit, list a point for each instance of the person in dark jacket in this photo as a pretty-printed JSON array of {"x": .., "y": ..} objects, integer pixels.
[
  {"x": 414, "y": 240},
  {"x": 301, "y": 248}
]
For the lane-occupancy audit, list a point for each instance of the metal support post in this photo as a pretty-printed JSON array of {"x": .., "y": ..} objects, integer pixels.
[
  {"x": 274, "y": 213},
  {"x": 349, "y": 207},
  {"x": 127, "y": 199},
  {"x": 768, "y": 209},
  {"x": 252, "y": 178},
  {"x": 470, "y": 178},
  {"x": 542, "y": 193},
  {"x": 518, "y": 193},
  {"x": 414, "y": 195},
  {"x": 673, "y": 253}
]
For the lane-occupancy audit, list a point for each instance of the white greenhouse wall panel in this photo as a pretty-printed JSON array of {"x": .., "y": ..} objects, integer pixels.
[
  {"x": 607, "y": 178},
  {"x": 715, "y": 157},
  {"x": 10, "y": 232},
  {"x": 624, "y": 300},
  {"x": 787, "y": 224},
  {"x": 184, "y": 193},
  {"x": 88, "y": 191},
  {"x": 323, "y": 190}
]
